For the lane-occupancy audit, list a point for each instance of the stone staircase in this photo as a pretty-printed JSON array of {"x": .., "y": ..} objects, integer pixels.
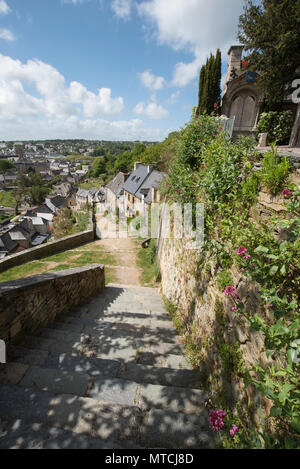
[{"x": 108, "y": 375}]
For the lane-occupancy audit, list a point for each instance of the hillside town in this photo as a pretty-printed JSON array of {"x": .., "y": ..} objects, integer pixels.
[{"x": 149, "y": 260}]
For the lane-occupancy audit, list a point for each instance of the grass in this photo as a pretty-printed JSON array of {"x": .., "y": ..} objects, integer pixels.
[
  {"x": 91, "y": 254},
  {"x": 26, "y": 270},
  {"x": 146, "y": 259},
  {"x": 82, "y": 221},
  {"x": 7, "y": 199}
]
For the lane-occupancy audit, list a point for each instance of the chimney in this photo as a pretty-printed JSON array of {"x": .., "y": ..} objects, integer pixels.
[
  {"x": 137, "y": 164},
  {"x": 234, "y": 62},
  {"x": 149, "y": 168}
]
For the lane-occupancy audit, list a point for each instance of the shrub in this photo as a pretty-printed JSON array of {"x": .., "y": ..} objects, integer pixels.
[
  {"x": 278, "y": 125},
  {"x": 224, "y": 279},
  {"x": 250, "y": 188},
  {"x": 275, "y": 171}
]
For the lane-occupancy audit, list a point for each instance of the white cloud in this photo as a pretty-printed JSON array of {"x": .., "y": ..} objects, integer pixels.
[
  {"x": 55, "y": 98},
  {"x": 122, "y": 8},
  {"x": 4, "y": 8},
  {"x": 6, "y": 34},
  {"x": 197, "y": 26},
  {"x": 95, "y": 105},
  {"x": 151, "y": 81},
  {"x": 151, "y": 110},
  {"x": 36, "y": 103},
  {"x": 73, "y": 127}
]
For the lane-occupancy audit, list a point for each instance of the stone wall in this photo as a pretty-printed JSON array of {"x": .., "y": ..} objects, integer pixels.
[
  {"x": 48, "y": 249},
  {"x": 30, "y": 303},
  {"x": 205, "y": 313}
]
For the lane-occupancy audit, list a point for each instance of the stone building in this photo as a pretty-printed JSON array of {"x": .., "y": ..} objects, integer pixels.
[{"x": 243, "y": 99}]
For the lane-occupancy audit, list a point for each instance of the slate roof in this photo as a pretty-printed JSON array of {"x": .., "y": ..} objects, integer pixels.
[
  {"x": 136, "y": 179},
  {"x": 153, "y": 180},
  {"x": 82, "y": 193},
  {"x": 41, "y": 209},
  {"x": 116, "y": 184},
  {"x": 58, "y": 201},
  {"x": 6, "y": 243}
]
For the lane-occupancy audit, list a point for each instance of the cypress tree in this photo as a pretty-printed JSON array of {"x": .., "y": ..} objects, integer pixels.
[
  {"x": 210, "y": 84},
  {"x": 201, "y": 90}
]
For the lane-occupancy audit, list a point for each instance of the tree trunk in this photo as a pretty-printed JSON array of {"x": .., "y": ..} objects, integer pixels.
[{"x": 295, "y": 135}]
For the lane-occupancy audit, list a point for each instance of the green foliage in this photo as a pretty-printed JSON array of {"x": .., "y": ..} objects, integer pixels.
[
  {"x": 275, "y": 171},
  {"x": 32, "y": 188},
  {"x": 220, "y": 174},
  {"x": 270, "y": 31},
  {"x": 250, "y": 188},
  {"x": 62, "y": 224},
  {"x": 209, "y": 93},
  {"x": 278, "y": 125},
  {"x": 148, "y": 262},
  {"x": 7, "y": 199},
  {"x": 224, "y": 279},
  {"x": 5, "y": 165}
]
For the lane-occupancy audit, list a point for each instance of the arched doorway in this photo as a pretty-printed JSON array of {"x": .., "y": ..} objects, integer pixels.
[{"x": 244, "y": 108}]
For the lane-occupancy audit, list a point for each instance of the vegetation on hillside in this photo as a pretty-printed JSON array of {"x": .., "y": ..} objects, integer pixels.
[{"x": 207, "y": 167}]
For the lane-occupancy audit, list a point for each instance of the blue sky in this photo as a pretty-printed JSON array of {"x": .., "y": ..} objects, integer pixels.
[{"x": 106, "y": 69}]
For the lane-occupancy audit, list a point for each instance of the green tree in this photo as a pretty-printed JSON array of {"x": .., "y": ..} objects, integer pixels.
[
  {"x": 5, "y": 165},
  {"x": 271, "y": 33},
  {"x": 210, "y": 84},
  {"x": 63, "y": 223},
  {"x": 32, "y": 188}
]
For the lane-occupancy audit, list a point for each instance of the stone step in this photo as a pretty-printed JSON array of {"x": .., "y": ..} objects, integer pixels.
[
  {"x": 39, "y": 436},
  {"x": 117, "y": 347},
  {"x": 176, "y": 399},
  {"x": 174, "y": 430},
  {"x": 108, "y": 422},
  {"x": 145, "y": 374},
  {"x": 101, "y": 330},
  {"x": 57, "y": 381}
]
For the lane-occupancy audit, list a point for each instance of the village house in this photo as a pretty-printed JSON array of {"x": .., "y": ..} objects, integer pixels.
[
  {"x": 141, "y": 189},
  {"x": 86, "y": 197},
  {"x": 114, "y": 195}
]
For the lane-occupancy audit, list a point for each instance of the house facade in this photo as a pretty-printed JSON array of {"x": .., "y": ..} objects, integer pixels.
[{"x": 141, "y": 189}]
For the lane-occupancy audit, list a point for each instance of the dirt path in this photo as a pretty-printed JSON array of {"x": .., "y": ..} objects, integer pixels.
[{"x": 124, "y": 250}]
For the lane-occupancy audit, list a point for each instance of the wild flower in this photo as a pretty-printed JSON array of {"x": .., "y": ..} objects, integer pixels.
[
  {"x": 241, "y": 250},
  {"x": 287, "y": 193},
  {"x": 233, "y": 430},
  {"x": 230, "y": 291},
  {"x": 247, "y": 257},
  {"x": 234, "y": 308},
  {"x": 216, "y": 419},
  {"x": 243, "y": 269}
]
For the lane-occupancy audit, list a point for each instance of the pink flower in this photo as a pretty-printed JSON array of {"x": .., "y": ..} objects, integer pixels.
[
  {"x": 230, "y": 291},
  {"x": 247, "y": 257},
  {"x": 234, "y": 430},
  {"x": 253, "y": 266},
  {"x": 241, "y": 250},
  {"x": 216, "y": 419},
  {"x": 234, "y": 308},
  {"x": 243, "y": 270},
  {"x": 287, "y": 193}
]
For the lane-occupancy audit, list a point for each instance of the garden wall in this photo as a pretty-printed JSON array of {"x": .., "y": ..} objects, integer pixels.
[
  {"x": 29, "y": 303},
  {"x": 48, "y": 249},
  {"x": 217, "y": 340}
]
